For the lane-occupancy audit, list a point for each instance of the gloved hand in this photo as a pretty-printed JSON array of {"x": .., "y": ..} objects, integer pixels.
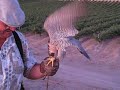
[{"x": 49, "y": 66}]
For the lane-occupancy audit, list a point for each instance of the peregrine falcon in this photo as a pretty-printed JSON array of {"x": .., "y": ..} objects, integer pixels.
[{"x": 60, "y": 27}]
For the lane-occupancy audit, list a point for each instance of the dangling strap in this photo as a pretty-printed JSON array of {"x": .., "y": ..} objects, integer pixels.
[{"x": 19, "y": 45}]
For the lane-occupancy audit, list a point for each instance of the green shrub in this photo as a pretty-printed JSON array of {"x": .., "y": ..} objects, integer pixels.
[{"x": 102, "y": 21}]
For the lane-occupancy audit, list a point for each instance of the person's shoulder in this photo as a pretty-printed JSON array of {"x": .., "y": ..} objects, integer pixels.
[{"x": 21, "y": 35}]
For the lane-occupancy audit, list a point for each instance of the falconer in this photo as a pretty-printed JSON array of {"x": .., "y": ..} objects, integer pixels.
[{"x": 12, "y": 67}]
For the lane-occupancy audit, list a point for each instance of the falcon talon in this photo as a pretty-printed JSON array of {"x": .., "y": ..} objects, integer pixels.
[{"x": 51, "y": 60}]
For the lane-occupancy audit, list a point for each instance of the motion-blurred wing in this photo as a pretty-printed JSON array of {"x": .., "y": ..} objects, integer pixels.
[{"x": 61, "y": 23}]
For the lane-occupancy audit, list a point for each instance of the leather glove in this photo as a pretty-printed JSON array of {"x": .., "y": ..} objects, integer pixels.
[{"x": 49, "y": 66}]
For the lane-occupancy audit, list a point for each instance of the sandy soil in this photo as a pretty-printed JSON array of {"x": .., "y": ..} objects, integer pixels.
[{"x": 76, "y": 72}]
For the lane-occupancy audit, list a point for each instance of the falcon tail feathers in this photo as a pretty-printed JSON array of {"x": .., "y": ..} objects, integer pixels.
[
  {"x": 84, "y": 53},
  {"x": 76, "y": 43}
]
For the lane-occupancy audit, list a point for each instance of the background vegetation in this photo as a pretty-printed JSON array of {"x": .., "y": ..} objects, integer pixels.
[{"x": 102, "y": 21}]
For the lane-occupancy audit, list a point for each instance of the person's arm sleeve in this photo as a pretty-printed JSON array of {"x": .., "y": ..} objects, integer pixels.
[{"x": 29, "y": 59}]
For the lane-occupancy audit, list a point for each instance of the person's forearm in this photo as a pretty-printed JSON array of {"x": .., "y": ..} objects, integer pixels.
[
  {"x": 48, "y": 67},
  {"x": 35, "y": 73}
]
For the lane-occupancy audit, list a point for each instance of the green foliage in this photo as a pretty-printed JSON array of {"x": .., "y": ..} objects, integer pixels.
[
  {"x": 109, "y": 33},
  {"x": 36, "y": 12},
  {"x": 102, "y": 21}
]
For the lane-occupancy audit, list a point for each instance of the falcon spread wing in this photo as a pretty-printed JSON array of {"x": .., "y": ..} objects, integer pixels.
[{"x": 61, "y": 30}]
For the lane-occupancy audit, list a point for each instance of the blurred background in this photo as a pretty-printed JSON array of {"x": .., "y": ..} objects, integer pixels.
[{"x": 101, "y": 23}]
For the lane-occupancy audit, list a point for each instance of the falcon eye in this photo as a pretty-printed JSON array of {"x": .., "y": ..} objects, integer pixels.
[{"x": 52, "y": 54}]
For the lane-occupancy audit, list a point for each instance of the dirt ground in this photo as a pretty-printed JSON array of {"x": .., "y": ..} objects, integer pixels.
[{"x": 76, "y": 72}]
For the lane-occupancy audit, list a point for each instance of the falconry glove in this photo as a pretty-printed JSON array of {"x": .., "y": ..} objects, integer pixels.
[{"x": 49, "y": 66}]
